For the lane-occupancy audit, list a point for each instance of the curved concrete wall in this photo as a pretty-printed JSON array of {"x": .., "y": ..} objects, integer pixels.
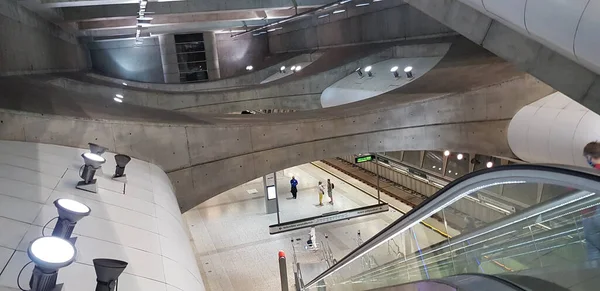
[
  {"x": 463, "y": 104},
  {"x": 240, "y": 148},
  {"x": 247, "y": 79},
  {"x": 563, "y": 72},
  {"x": 569, "y": 27},
  {"x": 553, "y": 129},
  {"x": 354, "y": 88},
  {"x": 300, "y": 91},
  {"x": 138, "y": 222},
  {"x": 288, "y": 71}
]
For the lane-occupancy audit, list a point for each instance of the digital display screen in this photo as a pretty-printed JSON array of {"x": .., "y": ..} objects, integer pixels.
[
  {"x": 363, "y": 159},
  {"x": 271, "y": 192}
]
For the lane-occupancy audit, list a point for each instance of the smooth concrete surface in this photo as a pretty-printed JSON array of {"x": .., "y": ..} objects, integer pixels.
[
  {"x": 236, "y": 53},
  {"x": 130, "y": 61},
  {"x": 300, "y": 91},
  {"x": 464, "y": 104},
  {"x": 138, "y": 222},
  {"x": 382, "y": 21},
  {"x": 178, "y": 8},
  {"x": 212, "y": 56},
  {"x": 567, "y": 27},
  {"x": 231, "y": 235},
  {"x": 31, "y": 44},
  {"x": 553, "y": 129},
  {"x": 260, "y": 72},
  {"x": 354, "y": 88},
  {"x": 168, "y": 59},
  {"x": 552, "y": 68},
  {"x": 288, "y": 72}
]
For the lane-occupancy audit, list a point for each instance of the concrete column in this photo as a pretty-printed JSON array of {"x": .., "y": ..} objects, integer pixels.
[
  {"x": 168, "y": 55},
  {"x": 212, "y": 56}
]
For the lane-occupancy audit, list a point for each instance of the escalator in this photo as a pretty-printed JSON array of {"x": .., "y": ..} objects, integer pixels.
[{"x": 553, "y": 244}]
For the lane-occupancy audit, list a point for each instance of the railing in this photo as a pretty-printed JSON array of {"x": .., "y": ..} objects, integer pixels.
[{"x": 524, "y": 240}]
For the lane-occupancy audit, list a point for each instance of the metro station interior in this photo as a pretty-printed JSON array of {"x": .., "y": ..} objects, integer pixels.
[{"x": 308, "y": 145}]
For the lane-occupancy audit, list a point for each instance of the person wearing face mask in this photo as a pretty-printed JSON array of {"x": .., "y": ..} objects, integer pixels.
[{"x": 592, "y": 154}]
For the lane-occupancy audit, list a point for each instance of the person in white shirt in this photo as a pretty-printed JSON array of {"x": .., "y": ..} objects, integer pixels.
[{"x": 321, "y": 193}]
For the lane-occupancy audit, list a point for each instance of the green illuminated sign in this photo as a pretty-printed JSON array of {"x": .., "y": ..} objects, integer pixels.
[{"x": 363, "y": 159}]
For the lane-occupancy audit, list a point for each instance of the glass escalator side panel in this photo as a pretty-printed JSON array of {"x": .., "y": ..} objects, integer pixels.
[{"x": 498, "y": 221}]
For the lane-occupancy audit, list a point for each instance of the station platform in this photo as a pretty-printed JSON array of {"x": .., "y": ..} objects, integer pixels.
[{"x": 230, "y": 231}]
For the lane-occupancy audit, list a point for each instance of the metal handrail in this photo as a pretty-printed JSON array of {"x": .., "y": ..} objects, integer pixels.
[
  {"x": 574, "y": 177},
  {"x": 546, "y": 211}
]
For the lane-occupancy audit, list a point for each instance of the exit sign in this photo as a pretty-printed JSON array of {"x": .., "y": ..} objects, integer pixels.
[{"x": 363, "y": 159}]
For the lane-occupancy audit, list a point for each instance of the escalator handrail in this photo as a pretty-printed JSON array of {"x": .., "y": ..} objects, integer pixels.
[
  {"x": 578, "y": 178},
  {"x": 545, "y": 207}
]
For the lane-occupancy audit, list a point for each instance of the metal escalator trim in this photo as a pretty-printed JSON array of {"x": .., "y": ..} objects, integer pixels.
[{"x": 578, "y": 178}]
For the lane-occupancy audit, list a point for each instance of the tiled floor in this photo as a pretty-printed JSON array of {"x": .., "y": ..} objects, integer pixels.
[{"x": 230, "y": 232}]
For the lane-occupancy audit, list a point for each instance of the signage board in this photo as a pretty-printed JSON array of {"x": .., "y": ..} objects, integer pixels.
[
  {"x": 271, "y": 192},
  {"x": 328, "y": 218},
  {"x": 362, "y": 159}
]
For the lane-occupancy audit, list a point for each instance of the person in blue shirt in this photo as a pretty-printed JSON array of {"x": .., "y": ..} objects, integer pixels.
[{"x": 294, "y": 184}]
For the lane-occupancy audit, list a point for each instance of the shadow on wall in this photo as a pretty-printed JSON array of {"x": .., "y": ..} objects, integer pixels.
[{"x": 123, "y": 59}]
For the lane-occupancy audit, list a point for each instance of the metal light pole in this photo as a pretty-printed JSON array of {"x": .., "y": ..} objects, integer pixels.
[{"x": 283, "y": 271}]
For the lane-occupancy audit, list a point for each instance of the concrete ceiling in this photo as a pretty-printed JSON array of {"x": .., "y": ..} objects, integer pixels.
[{"x": 115, "y": 18}]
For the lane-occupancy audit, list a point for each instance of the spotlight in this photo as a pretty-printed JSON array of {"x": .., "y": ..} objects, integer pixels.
[
  {"x": 282, "y": 69},
  {"x": 459, "y": 156},
  {"x": 298, "y": 68},
  {"x": 368, "y": 70},
  {"x": 107, "y": 273},
  {"x": 408, "y": 71},
  {"x": 119, "y": 96},
  {"x": 446, "y": 153},
  {"x": 122, "y": 161},
  {"x": 249, "y": 68},
  {"x": 394, "y": 70},
  {"x": 97, "y": 149},
  {"x": 118, "y": 100},
  {"x": 93, "y": 162},
  {"x": 69, "y": 213},
  {"x": 489, "y": 164},
  {"x": 48, "y": 254},
  {"x": 359, "y": 72},
  {"x": 293, "y": 68}
]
